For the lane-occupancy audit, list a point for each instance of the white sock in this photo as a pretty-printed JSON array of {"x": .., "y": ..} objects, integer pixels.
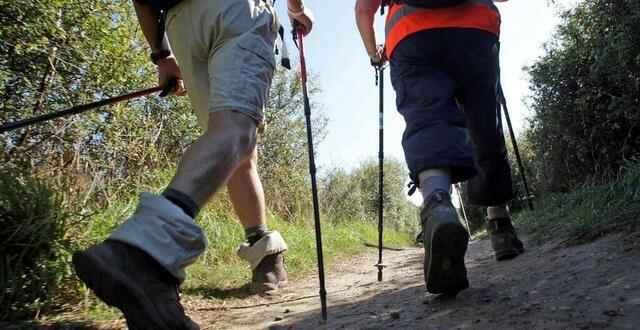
[
  {"x": 434, "y": 179},
  {"x": 496, "y": 212}
]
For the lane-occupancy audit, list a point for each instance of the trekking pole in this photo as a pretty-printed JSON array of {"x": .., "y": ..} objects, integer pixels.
[
  {"x": 464, "y": 213},
  {"x": 380, "y": 83},
  {"x": 312, "y": 171},
  {"x": 85, "y": 107},
  {"x": 528, "y": 197}
]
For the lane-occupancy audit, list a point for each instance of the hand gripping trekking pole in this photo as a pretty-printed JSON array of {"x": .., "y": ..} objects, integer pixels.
[
  {"x": 528, "y": 197},
  {"x": 312, "y": 171},
  {"x": 85, "y": 107},
  {"x": 380, "y": 83}
]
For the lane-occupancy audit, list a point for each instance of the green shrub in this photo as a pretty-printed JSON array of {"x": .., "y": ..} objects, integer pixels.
[
  {"x": 354, "y": 195},
  {"x": 33, "y": 248},
  {"x": 588, "y": 212},
  {"x": 586, "y": 96}
]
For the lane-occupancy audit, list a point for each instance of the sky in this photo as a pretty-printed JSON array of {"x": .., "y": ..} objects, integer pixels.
[{"x": 349, "y": 97}]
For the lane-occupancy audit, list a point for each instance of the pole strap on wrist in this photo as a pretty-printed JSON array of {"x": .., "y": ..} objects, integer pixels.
[
  {"x": 294, "y": 14},
  {"x": 160, "y": 55}
]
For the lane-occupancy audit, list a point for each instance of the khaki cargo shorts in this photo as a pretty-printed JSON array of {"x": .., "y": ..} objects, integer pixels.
[{"x": 225, "y": 49}]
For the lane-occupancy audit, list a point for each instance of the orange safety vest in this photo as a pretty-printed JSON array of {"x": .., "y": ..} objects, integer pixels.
[{"x": 404, "y": 20}]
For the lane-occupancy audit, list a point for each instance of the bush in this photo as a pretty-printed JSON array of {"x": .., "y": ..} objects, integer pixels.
[
  {"x": 341, "y": 196},
  {"x": 33, "y": 248},
  {"x": 588, "y": 212},
  {"x": 586, "y": 96},
  {"x": 355, "y": 195}
]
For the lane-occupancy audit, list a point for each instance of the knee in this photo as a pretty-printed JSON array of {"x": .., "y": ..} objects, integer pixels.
[
  {"x": 239, "y": 131},
  {"x": 246, "y": 135},
  {"x": 245, "y": 143}
]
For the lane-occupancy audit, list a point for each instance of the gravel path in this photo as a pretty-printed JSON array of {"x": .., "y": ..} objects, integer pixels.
[{"x": 595, "y": 285}]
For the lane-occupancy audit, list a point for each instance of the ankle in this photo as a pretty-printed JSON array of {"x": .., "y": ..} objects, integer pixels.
[
  {"x": 434, "y": 180},
  {"x": 182, "y": 200},
  {"x": 255, "y": 233},
  {"x": 497, "y": 212}
]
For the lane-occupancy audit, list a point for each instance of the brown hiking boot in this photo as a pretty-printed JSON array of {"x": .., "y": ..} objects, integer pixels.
[
  {"x": 269, "y": 275},
  {"x": 504, "y": 240},
  {"x": 127, "y": 278},
  {"x": 267, "y": 263},
  {"x": 445, "y": 244}
]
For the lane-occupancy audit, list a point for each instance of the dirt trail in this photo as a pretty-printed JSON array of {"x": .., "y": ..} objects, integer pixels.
[{"x": 596, "y": 285}]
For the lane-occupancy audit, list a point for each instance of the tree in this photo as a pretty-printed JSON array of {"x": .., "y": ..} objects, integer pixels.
[
  {"x": 345, "y": 196},
  {"x": 282, "y": 148},
  {"x": 62, "y": 53},
  {"x": 586, "y": 95}
]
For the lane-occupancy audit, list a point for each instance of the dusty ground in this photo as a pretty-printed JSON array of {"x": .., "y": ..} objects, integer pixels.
[{"x": 591, "y": 286}]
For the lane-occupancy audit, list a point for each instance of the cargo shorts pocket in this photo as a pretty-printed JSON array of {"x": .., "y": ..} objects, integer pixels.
[{"x": 255, "y": 65}]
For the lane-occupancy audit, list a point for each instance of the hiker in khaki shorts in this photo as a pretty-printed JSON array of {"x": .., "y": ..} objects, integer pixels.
[{"x": 222, "y": 55}]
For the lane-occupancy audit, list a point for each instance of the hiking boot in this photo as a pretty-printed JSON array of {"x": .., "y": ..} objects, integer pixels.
[
  {"x": 129, "y": 279},
  {"x": 269, "y": 275},
  {"x": 445, "y": 243},
  {"x": 267, "y": 263},
  {"x": 504, "y": 240}
]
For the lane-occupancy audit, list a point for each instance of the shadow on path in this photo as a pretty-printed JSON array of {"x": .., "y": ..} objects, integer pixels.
[
  {"x": 216, "y": 293},
  {"x": 589, "y": 286}
]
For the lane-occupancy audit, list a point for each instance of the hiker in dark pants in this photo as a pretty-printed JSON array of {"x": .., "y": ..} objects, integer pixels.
[
  {"x": 445, "y": 71},
  {"x": 224, "y": 58}
]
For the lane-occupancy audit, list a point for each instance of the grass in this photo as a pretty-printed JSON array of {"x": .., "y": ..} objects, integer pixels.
[
  {"x": 33, "y": 246},
  {"x": 220, "y": 274},
  {"x": 586, "y": 213}
]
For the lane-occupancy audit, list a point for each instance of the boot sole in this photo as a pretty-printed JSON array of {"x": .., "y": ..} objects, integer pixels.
[
  {"x": 267, "y": 288},
  {"x": 117, "y": 290},
  {"x": 508, "y": 254},
  {"x": 444, "y": 269}
]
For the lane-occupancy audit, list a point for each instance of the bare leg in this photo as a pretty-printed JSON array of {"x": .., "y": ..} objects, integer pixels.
[
  {"x": 212, "y": 159},
  {"x": 245, "y": 191}
]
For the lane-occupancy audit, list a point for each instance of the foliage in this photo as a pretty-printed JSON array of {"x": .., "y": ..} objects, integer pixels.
[
  {"x": 341, "y": 196},
  {"x": 355, "y": 195},
  {"x": 220, "y": 274},
  {"x": 531, "y": 164},
  {"x": 61, "y": 53},
  {"x": 588, "y": 212},
  {"x": 33, "y": 246},
  {"x": 586, "y": 96},
  {"x": 283, "y": 155}
]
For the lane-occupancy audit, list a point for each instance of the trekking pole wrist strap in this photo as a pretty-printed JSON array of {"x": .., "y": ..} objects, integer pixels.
[
  {"x": 160, "y": 55},
  {"x": 295, "y": 14}
]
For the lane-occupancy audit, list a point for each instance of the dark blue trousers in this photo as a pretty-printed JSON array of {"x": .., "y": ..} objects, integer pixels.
[{"x": 446, "y": 83}]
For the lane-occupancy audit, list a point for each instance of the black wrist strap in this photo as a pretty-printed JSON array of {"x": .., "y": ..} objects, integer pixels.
[{"x": 160, "y": 55}]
